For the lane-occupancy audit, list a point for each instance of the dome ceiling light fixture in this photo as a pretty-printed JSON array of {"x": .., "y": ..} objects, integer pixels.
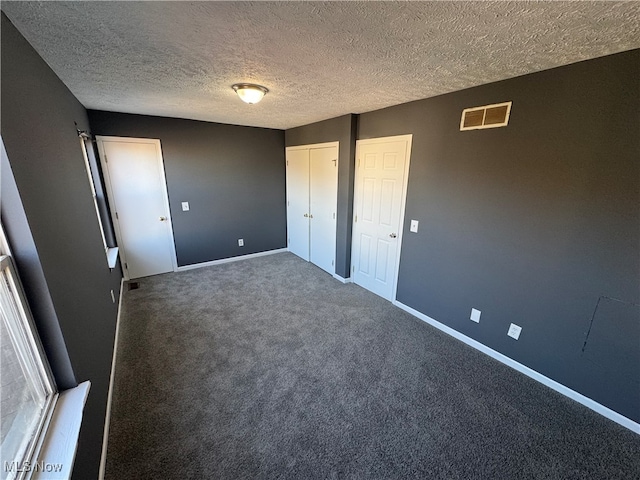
[{"x": 249, "y": 92}]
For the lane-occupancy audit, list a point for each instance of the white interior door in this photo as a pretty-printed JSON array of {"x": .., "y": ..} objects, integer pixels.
[
  {"x": 298, "y": 201},
  {"x": 135, "y": 181},
  {"x": 323, "y": 194},
  {"x": 380, "y": 189}
]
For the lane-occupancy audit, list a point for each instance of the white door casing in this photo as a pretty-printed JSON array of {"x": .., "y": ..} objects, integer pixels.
[
  {"x": 312, "y": 198},
  {"x": 298, "y": 202},
  {"x": 382, "y": 167},
  {"x": 137, "y": 192},
  {"x": 323, "y": 200}
]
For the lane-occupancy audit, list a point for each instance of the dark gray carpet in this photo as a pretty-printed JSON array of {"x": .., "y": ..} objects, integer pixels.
[{"x": 269, "y": 368}]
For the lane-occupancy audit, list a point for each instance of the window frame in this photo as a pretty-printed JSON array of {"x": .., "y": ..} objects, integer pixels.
[
  {"x": 111, "y": 252},
  {"x": 33, "y": 443},
  {"x": 92, "y": 185}
]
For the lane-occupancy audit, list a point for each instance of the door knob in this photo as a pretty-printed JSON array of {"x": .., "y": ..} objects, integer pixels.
[
  {"x": 306, "y": 215},
  {"x": 162, "y": 219},
  {"x": 393, "y": 235},
  {"x": 310, "y": 216}
]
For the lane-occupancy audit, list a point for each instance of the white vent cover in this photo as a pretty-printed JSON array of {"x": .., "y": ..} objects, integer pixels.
[{"x": 489, "y": 116}]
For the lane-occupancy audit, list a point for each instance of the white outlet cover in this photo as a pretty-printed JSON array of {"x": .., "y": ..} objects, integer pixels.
[
  {"x": 414, "y": 226},
  {"x": 475, "y": 315},
  {"x": 185, "y": 206},
  {"x": 240, "y": 242},
  {"x": 514, "y": 331}
]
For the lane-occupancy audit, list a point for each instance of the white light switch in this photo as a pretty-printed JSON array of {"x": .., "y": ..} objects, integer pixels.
[
  {"x": 514, "y": 331},
  {"x": 414, "y": 226},
  {"x": 475, "y": 315},
  {"x": 185, "y": 206}
]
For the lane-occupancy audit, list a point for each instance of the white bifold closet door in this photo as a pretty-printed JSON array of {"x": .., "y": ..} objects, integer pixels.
[
  {"x": 312, "y": 196},
  {"x": 298, "y": 202}
]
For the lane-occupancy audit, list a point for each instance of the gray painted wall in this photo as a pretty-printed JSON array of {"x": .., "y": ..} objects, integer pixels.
[
  {"x": 34, "y": 283},
  {"x": 38, "y": 130},
  {"x": 535, "y": 223},
  {"x": 233, "y": 178},
  {"x": 343, "y": 130}
]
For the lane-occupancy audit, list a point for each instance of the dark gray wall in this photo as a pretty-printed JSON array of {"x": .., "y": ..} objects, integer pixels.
[
  {"x": 34, "y": 283},
  {"x": 233, "y": 178},
  {"x": 343, "y": 130},
  {"x": 534, "y": 223},
  {"x": 38, "y": 130}
]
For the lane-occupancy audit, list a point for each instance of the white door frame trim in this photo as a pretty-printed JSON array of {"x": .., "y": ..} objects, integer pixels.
[
  {"x": 315, "y": 145},
  {"x": 107, "y": 180},
  {"x": 405, "y": 182}
]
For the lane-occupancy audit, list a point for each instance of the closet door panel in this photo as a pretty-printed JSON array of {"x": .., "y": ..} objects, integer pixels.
[
  {"x": 298, "y": 202},
  {"x": 323, "y": 182}
]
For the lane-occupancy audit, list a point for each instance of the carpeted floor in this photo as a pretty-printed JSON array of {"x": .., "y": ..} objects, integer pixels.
[{"x": 270, "y": 369}]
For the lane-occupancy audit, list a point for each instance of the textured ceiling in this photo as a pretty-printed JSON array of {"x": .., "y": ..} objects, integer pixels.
[{"x": 319, "y": 59}]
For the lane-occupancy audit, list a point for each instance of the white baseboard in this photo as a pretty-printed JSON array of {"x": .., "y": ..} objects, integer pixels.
[
  {"x": 231, "y": 259},
  {"x": 558, "y": 387},
  {"x": 107, "y": 419},
  {"x": 341, "y": 279}
]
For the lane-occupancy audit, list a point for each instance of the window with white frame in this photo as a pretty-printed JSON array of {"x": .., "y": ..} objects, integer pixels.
[
  {"x": 99, "y": 201},
  {"x": 27, "y": 390},
  {"x": 92, "y": 183}
]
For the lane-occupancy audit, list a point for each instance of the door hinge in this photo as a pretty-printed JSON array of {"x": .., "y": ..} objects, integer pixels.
[
  {"x": 353, "y": 268},
  {"x": 117, "y": 218},
  {"x": 356, "y": 218},
  {"x": 334, "y": 216},
  {"x": 287, "y": 163},
  {"x": 332, "y": 262},
  {"x": 126, "y": 266},
  {"x": 106, "y": 160},
  {"x": 288, "y": 203}
]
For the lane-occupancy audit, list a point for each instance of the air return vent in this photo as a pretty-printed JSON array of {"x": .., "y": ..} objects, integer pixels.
[{"x": 489, "y": 116}]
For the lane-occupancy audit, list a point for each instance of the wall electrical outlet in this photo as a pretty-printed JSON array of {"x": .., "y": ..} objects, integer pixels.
[
  {"x": 475, "y": 315},
  {"x": 414, "y": 226},
  {"x": 240, "y": 242},
  {"x": 185, "y": 206},
  {"x": 514, "y": 331}
]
